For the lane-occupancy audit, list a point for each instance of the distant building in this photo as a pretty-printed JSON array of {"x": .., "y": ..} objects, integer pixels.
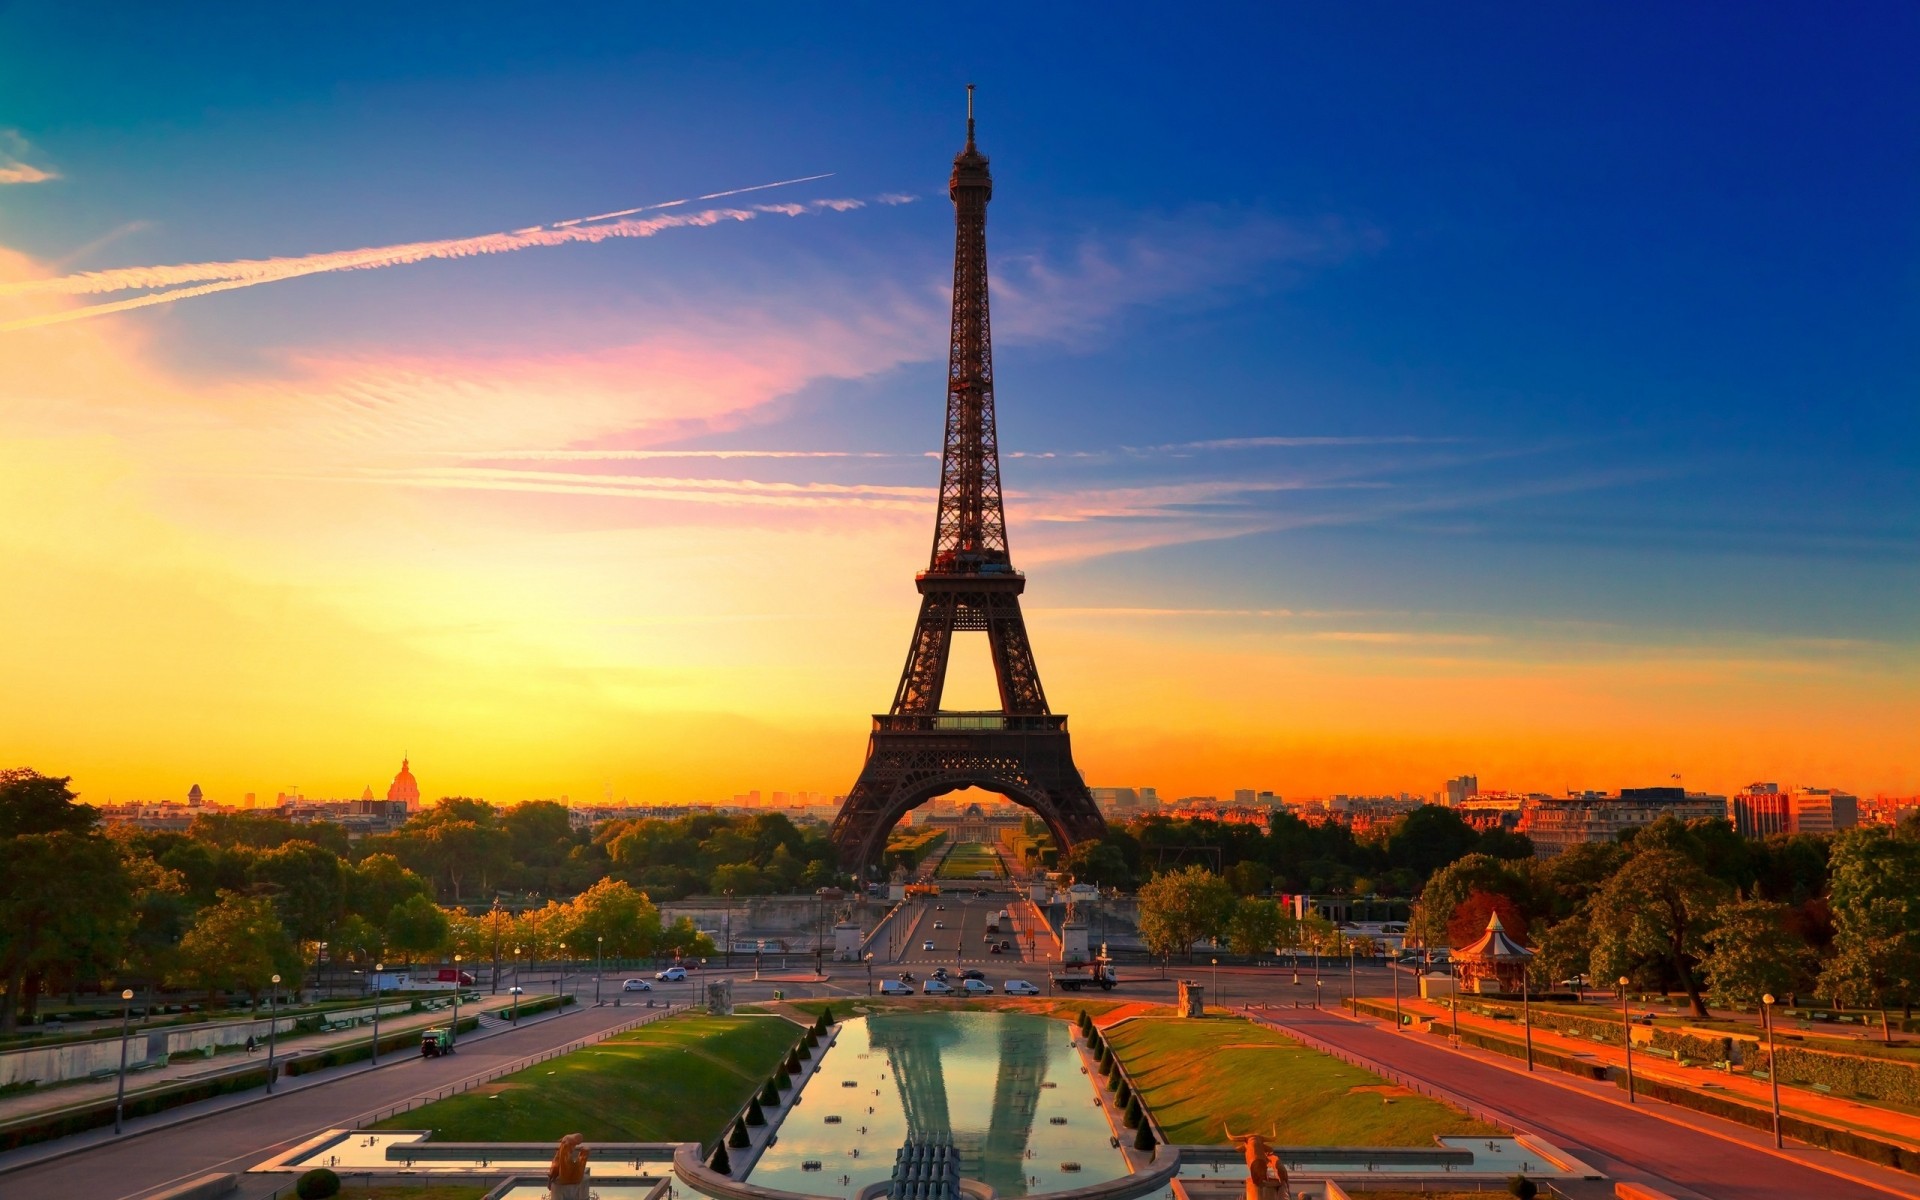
[
  {"x": 194, "y": 796},
  {"x": 1243, "y": 796},
  {"x": 1553, "y": 825},
  {"x": 1824, "y": 810},
  {"x": 404, "y": 788},
  {"x": 1461, "y": 789},
  {"x": 1761, "y": 811}
]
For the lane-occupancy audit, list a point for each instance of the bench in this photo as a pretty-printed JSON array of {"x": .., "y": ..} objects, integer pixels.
[{"x": 1823, "y": 1089}]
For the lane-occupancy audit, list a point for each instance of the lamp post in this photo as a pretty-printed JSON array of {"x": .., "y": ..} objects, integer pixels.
[
  {"x": 514, "y": 991},
  {"x": 516, "y": 966},
  {"x": 453, "y": 1034},
  {"x": 272, "y": 1025},
  {"x": 1626, "y": 1031},
  {"x": 496, "y": 945},
  {"x": 1526, "y": 1009},
  {"x": 1353, "y": 977},
  {"x": 1393, "y": 968},
  {"x": 599, "y": 965},
  {"x": 120, "y": 1090},
  {"x": 729, "y": 927},
  {"x": 869, "y": 961},
  {"x": 1453, "y": 998},
  {"x": 1216, "y": 983},
  {"x": 1316, "y": 994},
  {"x": 1773, "y": 1068},
  {"x": 377, "y": 968}
]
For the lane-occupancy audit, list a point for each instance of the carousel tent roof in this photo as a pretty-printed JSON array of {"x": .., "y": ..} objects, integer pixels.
[{"x": 1494, "y": 945}]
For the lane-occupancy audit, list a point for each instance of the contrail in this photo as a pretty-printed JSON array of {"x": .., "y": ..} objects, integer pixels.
[{"x": 187, "y": 280}]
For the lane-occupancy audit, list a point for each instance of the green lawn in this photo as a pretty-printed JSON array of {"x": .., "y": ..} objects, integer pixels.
[
  {"x": 968, "y": 858},
  {"x": 414, "y": 1191},
  {"x": 1201, "y": 1076},
  {"x": 1064, "y": 1007},
  {"x": 676, "y": 1080}
]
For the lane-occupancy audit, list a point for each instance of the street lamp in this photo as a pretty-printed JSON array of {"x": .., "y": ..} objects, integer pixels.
[
  {"x": 453, "y": 1034},
  {"x": 1216, "y": 983},
  {"x": 1393, "y": 968},
  {"x": 1526, "y": 1009},
  {"x": 1773, "y": 1068},
  {"x": 1626, "y": 1031},
  {"x": 729, "y": 927},
  {"x": 496, "y": 945},
  {"x": 599, "y": 965},
  {"x": 1316, "y": 994},
  {"x": 1453, "y": 998},
  {"x": 514, "y": 991},
  {"x": 1353, "y": 977},
  {"x": 377, "y": 968},
  {"x": 120, "y": 1091},
  {"x": 869, "y": 961},
  {"x": 272, "y": 1028}
]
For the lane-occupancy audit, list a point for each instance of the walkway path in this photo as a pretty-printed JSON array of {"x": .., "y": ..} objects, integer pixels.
[
  {"x": 1684, "y": 1153},
  {"x": 1798, "y": 1101}
]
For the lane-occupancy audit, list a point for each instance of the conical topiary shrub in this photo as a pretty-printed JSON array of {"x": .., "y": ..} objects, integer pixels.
[
  {"x": 720, "y": 1162},
  {"x": 1143, "y": 1140},
  {"x": 1122, "y": 1094},
  {"x": 792, "y": 1065},
  {"x": 781, "y": 1079},
  {"x": 1132, "y": 1117},
  {"x": 769, "y": 1095},
  {"x": 755, "y": 1114},
  {"x": 1084, "y": 1021},
  {"x": 738, "y": 1139},
  {"x": 826, "y": 1018}
]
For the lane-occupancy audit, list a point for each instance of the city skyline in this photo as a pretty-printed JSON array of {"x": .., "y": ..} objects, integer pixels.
[{"x": 1577, "y": 452}]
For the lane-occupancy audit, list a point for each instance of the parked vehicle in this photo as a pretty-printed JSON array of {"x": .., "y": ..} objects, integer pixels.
[
  {"x": 976, "y": 987},
  {"x": 1020, "y": 987},
  {"x": 636, "y": 985},
  {"x": 893, "y": 987},
  {"x": 937, "y": 987}
]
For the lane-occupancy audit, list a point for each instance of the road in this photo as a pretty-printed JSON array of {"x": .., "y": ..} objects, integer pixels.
[{"x": 1626, "y": 1143}]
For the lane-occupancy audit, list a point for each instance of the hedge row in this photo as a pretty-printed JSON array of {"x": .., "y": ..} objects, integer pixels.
[
  {"x": 1843, "y": 1141},
  {"x": 1542, "y": 1055},
  {"x": 1873, "y": 1078},
  {"x": 356, "y": 1050}
]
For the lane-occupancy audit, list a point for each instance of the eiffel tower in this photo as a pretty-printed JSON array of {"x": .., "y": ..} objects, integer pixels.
[{"x": 918, "y": 750}]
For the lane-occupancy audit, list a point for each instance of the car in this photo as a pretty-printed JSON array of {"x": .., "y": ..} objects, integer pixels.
[
  {"x": 927, "y": 945},
  {"x": 671, "y": 975},
  {"x": 1020, "y": 987},
  {"x": 938, "y": 987},
  {"x": 939, "y": 973},
  {"x": 939, "y": 924},
  {"x": 636, "y": 985},
  {"x": 893, "y": 987},
  {"x": 939, "y": 908},
  {"x": 1003, "y": 946},
  {"x": 1578, "y": 981},
  {"x": 976, "y": 987},
  {"x": 973, "y": 973},
  {"x": 993, "y": 949}
]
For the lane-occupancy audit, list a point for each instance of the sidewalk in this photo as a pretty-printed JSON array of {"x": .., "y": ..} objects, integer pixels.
[
  {"x": 77, "y": 1093},
  {"x": 1797, "y": 1101}
]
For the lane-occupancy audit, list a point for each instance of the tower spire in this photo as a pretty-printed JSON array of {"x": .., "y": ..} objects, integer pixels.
[{"x": 969, "y": 116}]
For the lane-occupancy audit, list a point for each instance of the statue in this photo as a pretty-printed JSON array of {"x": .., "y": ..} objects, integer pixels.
[
  {"x": 1266, "y": 1174},
  {"x": 567, "y": 1175}
]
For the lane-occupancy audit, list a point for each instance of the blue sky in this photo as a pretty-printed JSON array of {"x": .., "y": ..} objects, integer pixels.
[{"x": 1595, "y": 318}]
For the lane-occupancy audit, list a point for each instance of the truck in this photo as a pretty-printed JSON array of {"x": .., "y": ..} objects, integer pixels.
[
  {"x": 1098, "y": 972},
  {"x": 435, "y": 1042}
]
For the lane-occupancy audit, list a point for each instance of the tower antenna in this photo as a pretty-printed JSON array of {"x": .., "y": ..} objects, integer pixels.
[{"x": 969, "y": 116}]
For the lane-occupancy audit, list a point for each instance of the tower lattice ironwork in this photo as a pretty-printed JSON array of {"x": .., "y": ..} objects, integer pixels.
[{"x": 918, "y": 750}]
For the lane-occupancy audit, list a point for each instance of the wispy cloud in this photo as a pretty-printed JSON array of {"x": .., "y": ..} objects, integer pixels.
[
  {"x": 1277, "y": 442},
  {"x": 206, "y": 278},
  {"x": 13, "y": 165}
]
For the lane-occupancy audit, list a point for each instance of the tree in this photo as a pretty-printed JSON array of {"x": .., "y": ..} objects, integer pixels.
[
  {"x": 416, "y": 926},
  {"x": 1449, "y": 888},
  {"x": 1428, "y": 838},
  {"x": 1469, "y": 918},
  {"x": 308, "y": 886},
  {"x": 1875, "y": 897},
  {"x": 1752, "y": 953},
  {"x": 65, "y": 896},
  {"x": 621, "y": 915},
  {"x": 1255, "y": 927},
  {"x": 1249, "y": 878},
  {"x": 1656, "y": 910},
  {"x": 1099, "y": 862},
  {"x": 34, "y": 803},
  {"x": 238, "y": 943},
  {"x": 377, "y": 883},
  {"x": 1178, "y": 908},
  {"x": 1564, "y": 950}
]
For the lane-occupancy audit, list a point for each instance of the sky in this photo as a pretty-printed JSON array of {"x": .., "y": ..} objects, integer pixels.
[{"x": 1384, "y": 394}]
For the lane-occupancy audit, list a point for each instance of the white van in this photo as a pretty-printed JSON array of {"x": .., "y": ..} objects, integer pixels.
[{"x": 893, "y": 987}]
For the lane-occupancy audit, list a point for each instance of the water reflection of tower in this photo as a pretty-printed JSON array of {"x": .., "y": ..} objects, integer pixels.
[{"x": 916, "y": 1049}]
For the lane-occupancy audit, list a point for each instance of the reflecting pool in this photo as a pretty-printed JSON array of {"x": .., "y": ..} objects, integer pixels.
[{"x": 1007, "y": 1088}]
